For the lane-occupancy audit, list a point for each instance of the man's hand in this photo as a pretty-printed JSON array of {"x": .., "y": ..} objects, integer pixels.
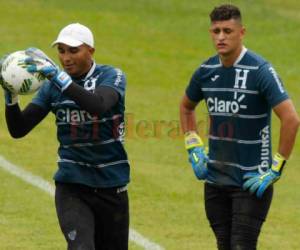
[
  {"x": 197, "y": 155},
  {"x": 38, "y": 61},
  {"x": 10, "y": 98},
  {"x": 258, "y": 183}
]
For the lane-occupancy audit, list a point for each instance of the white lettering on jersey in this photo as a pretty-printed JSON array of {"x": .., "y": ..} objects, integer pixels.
[
  {"x": 265, "y": 151},
  {"x": 276, "y": 77},
  {"x": 73, "y": 115},
  {"x": 121, "y": 131},
  {"x": 119, "y": 77},
  {"x": 241, "y": 78},
  {"x": 221, "y": 106}
]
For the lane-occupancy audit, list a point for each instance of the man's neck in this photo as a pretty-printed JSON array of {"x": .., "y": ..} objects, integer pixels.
[
  {"x": 229, "y": 59},
  {"x": 83, "y": 75}
]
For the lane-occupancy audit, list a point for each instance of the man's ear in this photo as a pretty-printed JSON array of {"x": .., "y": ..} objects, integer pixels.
[{"x": 91, "y": 50}]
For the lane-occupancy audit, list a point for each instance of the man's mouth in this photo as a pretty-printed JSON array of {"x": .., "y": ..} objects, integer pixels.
[
  {"x": 221, "y": 45},
  {"x": 68, "y": 66}
]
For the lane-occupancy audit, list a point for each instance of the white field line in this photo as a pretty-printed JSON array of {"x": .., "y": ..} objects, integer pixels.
[{"x": 44, "y": 185}]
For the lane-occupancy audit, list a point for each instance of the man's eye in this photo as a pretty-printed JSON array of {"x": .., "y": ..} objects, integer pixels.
[
  {"x": 227, "y": 31},
  {"x": 216, "y": 31},
  {"x": 74, "y": 50}
]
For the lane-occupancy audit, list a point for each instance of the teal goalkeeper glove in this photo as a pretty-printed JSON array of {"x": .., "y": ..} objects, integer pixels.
[
  {"x": 38, "y": 61},
  {"x": 10, "y": 98},
  {"x": 258, "y": 183},
  {"x": 197, "y": 155}
]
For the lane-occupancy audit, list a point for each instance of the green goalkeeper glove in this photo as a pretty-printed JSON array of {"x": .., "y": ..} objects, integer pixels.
[
  {"x": 197, "y": 155},
  {"x": 38, "y": 61},
  {"x": 258, "y": 183}
]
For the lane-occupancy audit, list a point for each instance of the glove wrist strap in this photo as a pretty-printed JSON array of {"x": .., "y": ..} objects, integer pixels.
[
  {"x": 278, "y": 162},
  {"x": 192, "y": 140},
  {"x": 62, "y": 80}
]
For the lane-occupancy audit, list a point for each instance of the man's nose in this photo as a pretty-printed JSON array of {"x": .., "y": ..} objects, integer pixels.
[
  {"x": 66, "y": 57},
  {"x": 222, "y": 35}
]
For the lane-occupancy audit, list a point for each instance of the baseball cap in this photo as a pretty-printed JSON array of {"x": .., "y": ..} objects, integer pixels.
[{"x": 74, "y": 35}]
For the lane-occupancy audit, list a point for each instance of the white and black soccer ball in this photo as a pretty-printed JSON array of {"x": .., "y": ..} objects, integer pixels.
[{"x": 16, "y": 78}]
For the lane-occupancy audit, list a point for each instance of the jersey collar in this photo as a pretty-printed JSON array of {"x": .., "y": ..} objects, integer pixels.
[
  {"x": 240, "y": 57},
  {"x": 91, "y": 71}
]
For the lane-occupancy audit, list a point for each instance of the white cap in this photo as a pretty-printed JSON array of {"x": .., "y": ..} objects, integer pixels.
[{"x": 74, "y": 35}]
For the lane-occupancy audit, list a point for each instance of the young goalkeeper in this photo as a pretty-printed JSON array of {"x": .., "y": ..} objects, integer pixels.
[
  {"x": 240, "y": 90},
  {"x": 88, "y": 101}
]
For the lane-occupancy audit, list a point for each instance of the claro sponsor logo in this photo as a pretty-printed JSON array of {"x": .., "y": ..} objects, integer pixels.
[
  {"x": 225, "y": 106},
  {"x": 72, "y": 115}
]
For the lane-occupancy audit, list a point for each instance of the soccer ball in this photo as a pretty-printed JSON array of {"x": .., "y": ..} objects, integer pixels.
[{"x": 16, "y": 78}]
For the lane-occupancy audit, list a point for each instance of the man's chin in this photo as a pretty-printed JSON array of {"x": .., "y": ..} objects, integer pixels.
[
  {"x": 71, "y": 72},
  {"x": 223, "y": 52}
]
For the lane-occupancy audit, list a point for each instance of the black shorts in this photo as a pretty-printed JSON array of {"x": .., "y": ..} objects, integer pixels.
[
  {"x": 93, "y": 218},
  {"x": 236, "y": 216}
]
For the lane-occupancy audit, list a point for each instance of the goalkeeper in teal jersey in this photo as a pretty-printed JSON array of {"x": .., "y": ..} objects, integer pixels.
[
  {"x": 240, "y": 90},
  {"x": 88, "y": 101}
]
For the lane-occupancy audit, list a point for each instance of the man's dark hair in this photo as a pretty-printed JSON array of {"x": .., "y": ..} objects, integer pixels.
[{"x": 225, "y": 12}]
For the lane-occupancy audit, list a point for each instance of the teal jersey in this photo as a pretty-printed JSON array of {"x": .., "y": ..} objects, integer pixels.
[
  {"x": 91, "y": 150},
  {"x": 239, "y": 101}
]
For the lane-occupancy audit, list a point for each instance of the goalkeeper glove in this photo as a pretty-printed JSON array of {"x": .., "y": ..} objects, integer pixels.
[
  {"x": 38, "y": 61},
  {"x": 197, "y": 155},
  {"x": 10, "y": 98},
  {"x": 258, "y": 183}
]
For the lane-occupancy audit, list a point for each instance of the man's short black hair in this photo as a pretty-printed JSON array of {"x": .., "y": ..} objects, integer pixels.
[{"x": 225, "y": 12}]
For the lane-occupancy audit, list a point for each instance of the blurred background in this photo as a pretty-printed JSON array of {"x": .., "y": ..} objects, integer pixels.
[{"x": 158, "y": 44}]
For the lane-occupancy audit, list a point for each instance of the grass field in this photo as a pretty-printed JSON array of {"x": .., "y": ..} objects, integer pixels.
[{"x": 158, "y": 43}]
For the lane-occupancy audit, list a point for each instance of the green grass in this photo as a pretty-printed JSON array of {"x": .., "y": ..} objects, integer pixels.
[{"x": 158, "y": 44}]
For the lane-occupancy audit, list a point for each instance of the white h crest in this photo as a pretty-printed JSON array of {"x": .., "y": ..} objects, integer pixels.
[
  {"x": 90, "y": 84},
  {"x": 240, "y": 77}
]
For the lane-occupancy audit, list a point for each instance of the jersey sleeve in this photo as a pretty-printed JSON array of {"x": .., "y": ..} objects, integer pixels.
[
  {"x": 271, "y": 86},
  {"x": 193, "y": 90},
  {"x": 114, "y": 78},
  {"x": 42, "y": 98}
]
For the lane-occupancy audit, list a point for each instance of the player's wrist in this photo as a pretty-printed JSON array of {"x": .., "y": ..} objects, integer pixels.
[
  {"x": 198, "y": 160},
  {"x": 62, "y": 80},
  {"x": 192, "y": 140},
  {"x": 10, "y": 98},
  {"x": 278, "y": 163}
]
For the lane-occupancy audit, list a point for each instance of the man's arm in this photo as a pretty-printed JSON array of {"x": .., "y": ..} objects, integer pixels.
[
  {"x": 97, "y": 102},
  {"x": 193, "y": 142},
  {"x": 290, "y": 122},
  {"x": 20, "y": 123},
  {"x": 187, "y": 114}
]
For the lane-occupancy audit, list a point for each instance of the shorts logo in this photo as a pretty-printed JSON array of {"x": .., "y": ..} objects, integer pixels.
[
  {"x": 121, "y": 189},
  {"x": 72, "y": 235}
]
